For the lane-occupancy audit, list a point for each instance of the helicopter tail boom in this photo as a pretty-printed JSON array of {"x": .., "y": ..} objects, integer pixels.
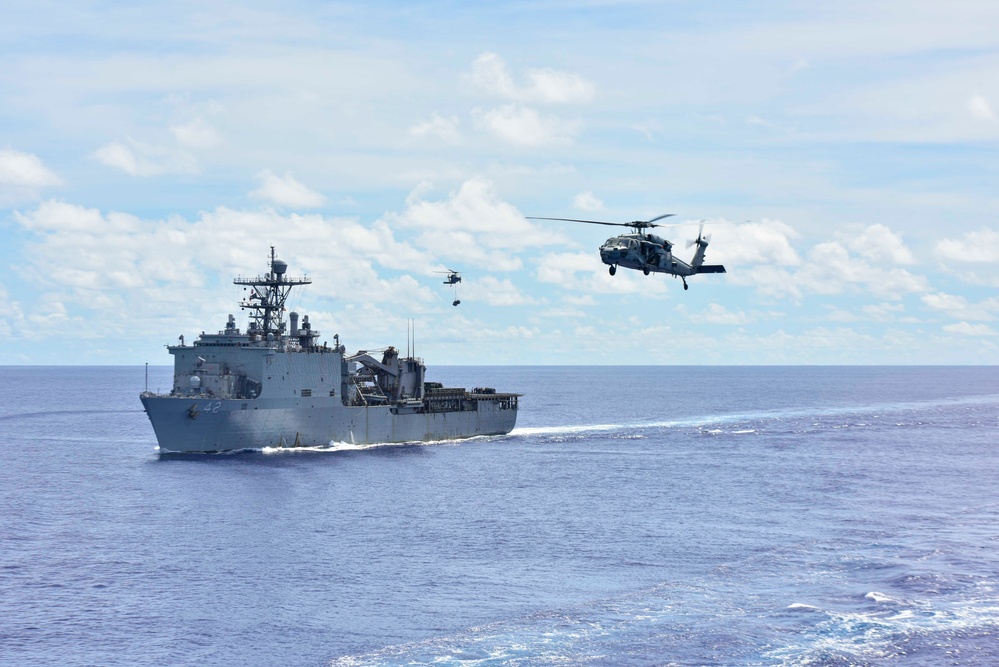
[{"x": 711, "y": 268}]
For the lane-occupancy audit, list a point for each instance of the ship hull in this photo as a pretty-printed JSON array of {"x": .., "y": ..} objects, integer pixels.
[{"x": 189, "y": 425}]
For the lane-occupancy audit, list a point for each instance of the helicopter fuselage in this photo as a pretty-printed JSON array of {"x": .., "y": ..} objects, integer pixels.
[{"x": 644, "y": 252}]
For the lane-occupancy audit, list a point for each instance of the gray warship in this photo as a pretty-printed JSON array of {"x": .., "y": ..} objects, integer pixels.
[{"x": 275, "y": 385}]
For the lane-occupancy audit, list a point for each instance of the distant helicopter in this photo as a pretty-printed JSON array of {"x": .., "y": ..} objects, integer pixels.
[
  {"x": 453, "y": 278},
  {"x": 650, "y": 253}
]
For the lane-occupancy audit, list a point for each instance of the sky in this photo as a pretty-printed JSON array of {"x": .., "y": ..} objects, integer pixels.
[{"x": 845, "y": 153}]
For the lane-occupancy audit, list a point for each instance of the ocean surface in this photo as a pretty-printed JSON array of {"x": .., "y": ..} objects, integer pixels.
[{"x": 637, "y": 516}]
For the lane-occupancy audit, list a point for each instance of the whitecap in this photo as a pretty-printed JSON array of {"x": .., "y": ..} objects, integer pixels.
[{"x": 557, "y": 430}]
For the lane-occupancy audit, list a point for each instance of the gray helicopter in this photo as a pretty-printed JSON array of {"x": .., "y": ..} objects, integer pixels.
[
  {"x": 649, "y": 253},
  {"x": 453, "y": 278}
]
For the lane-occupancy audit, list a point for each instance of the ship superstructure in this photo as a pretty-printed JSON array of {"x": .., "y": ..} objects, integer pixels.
[{"x": 275, "y": 385}]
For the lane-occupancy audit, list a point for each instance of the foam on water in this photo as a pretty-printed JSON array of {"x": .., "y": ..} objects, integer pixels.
[
  {"x": 713, "y": 424},
  {"x": 654, "y": 624}
]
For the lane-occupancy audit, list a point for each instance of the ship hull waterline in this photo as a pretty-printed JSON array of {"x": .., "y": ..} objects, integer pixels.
[{"x": 183, "y": 425}]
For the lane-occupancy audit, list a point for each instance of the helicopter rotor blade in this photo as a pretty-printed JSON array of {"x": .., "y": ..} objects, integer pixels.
[
  {"x": 665, "y": 215},
  {"x": 592, "y": 222}
]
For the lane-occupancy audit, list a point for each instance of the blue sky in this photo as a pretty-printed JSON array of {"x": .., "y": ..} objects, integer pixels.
[{"x": 149, "y": 154}]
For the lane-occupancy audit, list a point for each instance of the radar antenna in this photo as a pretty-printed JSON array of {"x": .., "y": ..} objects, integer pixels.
[{"x": 267, "y": 298}]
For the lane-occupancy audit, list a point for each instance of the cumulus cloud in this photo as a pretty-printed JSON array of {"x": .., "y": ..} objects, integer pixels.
[
  {"x": 24, "y": 170},
  {"x": 472, "y": 225},
  {"x": 126, "y": 272},
  {"x": 491, "y": 74},
  {"x": 553, "y": 86},
  {"x": 525, "y": 126},
  {"x": 766, "y": 242},
  {"x": 587, "y": 201},
  {"x": 977, "y": 246},
  {"x": 286, "y": 191},
  {"x": 830, "y": 269},
  {"x": 495, "y": 292},
  {"x": 516, "y": 122},
  {"x": 139, "y": 159},
  {"x": 864, "y": 261},
  {"x": 772, "y": 282},
  {"x": 438, "y": 127},
  {"x": 879, "y": 243}
]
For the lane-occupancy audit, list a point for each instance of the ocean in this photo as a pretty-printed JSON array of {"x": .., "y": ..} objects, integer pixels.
[{"x": 735, "y": 516}]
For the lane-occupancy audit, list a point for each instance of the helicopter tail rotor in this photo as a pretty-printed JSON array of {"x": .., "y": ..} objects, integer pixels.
[{"x": 701, "y": 238}]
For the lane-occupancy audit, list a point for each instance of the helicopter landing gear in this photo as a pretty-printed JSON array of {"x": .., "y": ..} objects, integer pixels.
[
  {"x": 613, "y": 269},
  {"x": 645, "y": 270},
  {"x": 684, "y": 283}
]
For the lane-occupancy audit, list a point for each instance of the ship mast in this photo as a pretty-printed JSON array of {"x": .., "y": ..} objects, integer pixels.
[{"x": 266, "y": 300}]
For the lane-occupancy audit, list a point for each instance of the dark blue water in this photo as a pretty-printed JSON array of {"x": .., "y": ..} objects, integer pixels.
[{"x": 637, "y": 516}]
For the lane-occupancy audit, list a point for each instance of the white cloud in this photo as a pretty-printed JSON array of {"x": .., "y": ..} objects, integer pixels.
[
  {"x": 561, "y": 268},
  {"x": 11, "y": 317},
  {"x": 583, "y": 273},
  {"x": 125, "y": 272},
  {"x": 286, "y": 191},
  {"x": 960, "y": 308},
  {"x": 587, "y": 201},
  {"x": 197, "y": 134},
  {"x": 830, "y": 270},
  {"x": 966, "y": 329},
  {"x": 491, "y": 75},
  {"x": 772, "y": 282},
  {"x": 139, "y": 159},
  {"x": 877, "y": 242},
  {"x": 766, "y": 242},
  {"x": 763, "y": 257},
  {"x": 519, "y": 124},
  {"x": 437, "y": 127},
  {"x": 24, "y": 170},
  {"x": 548, "y": 85},
  {"x": 883, "y": 312},
  {"x": 980, "y": 108},
  {"x": 525, "y": 126},
  {"x": 716, "y": 313},
  {"x": 579, "y": 299},
  {"x": 60, "y": 217},
  {"x": 978, "y": 246},
  {"x": 471, "y": 226},
  {"x": 494, "y": 292}
]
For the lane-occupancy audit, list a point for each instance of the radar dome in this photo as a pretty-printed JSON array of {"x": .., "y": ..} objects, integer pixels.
[{"x": 280, "y": 267}]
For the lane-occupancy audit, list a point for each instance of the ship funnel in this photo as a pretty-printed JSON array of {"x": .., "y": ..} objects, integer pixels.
[{"x": 293, "y": 316}]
